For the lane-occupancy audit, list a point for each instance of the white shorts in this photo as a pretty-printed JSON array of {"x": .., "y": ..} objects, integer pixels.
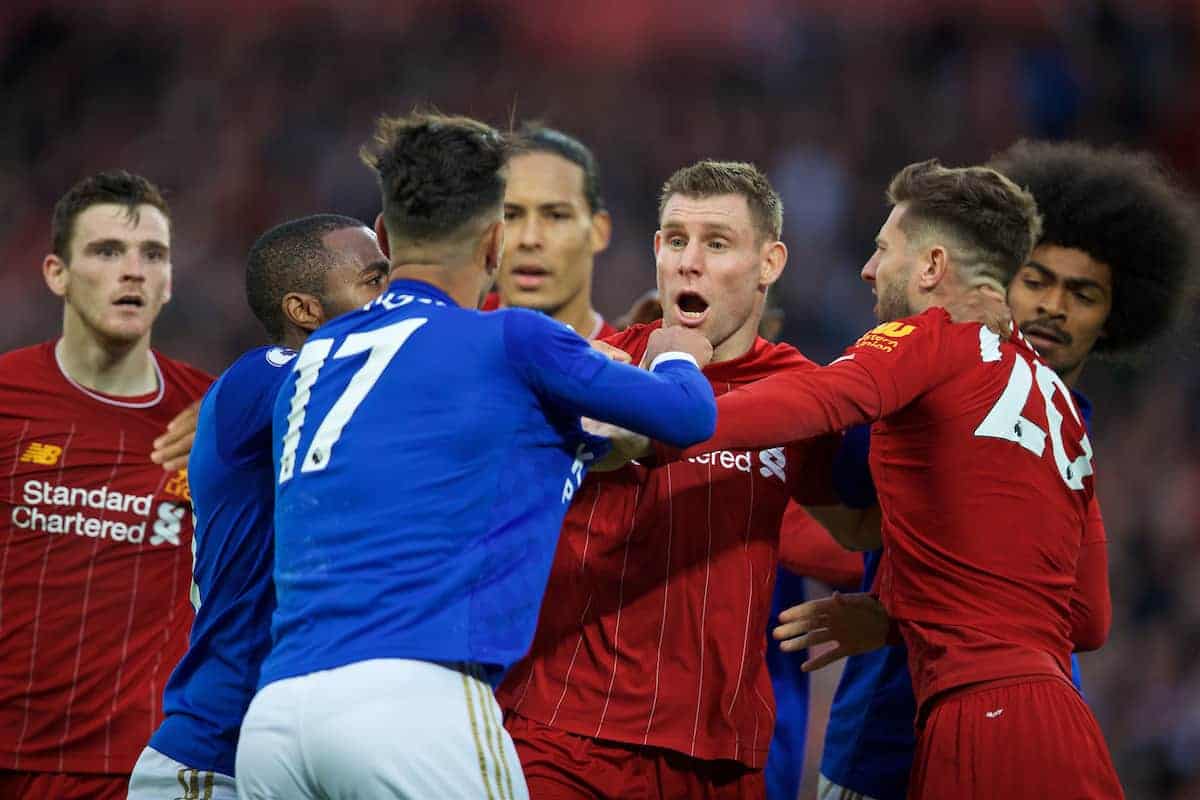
[
  {"x": 157, "y": 777},
  {"x": 385, "y": 728},
  {"x": 828, "y": 790}
]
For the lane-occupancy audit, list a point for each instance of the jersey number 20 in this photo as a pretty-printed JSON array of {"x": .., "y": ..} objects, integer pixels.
[
  {"x": 383, "y": 344},
  {"x": 1005, "y": 420}
]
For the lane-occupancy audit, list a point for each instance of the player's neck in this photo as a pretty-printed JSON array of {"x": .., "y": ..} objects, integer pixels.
[
  {"x": 1071, "y": 376},
  {"x": 578, "y": 314},
  {"x": 124, "y": 370},
  {"x": 464, "y": 284},
  {"x": 738, "y": 343}
]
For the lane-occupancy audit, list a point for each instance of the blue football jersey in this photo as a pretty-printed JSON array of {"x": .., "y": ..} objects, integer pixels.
[
  {"x": 233, "y": 493},
  {"x": 870, "y": 739},
  {"x": 785, "y": 760},
  {"x": 425, "y": 456}
]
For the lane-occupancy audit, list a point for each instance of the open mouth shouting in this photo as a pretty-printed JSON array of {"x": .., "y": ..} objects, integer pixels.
[{"x": 691, "y": 308}]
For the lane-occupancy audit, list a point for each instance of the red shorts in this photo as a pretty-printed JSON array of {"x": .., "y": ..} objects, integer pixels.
[
  {"x": 62, "y": 786},
  {"x": 559, "y": 765},
  {"x": 1032, "y": 737}
]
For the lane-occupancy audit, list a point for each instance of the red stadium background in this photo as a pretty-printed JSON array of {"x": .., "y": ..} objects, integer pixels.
[{"x": 249, "y": 116}]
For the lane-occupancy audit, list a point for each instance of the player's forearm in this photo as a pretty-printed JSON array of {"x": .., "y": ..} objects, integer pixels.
[
  {"x": 853, "y": 528},
  {"x": 787, "y": 407},
  {"x": 1091, "y": 601},
  {"x": 672, "y": 403},
  {"x": 806, "y": 548}
]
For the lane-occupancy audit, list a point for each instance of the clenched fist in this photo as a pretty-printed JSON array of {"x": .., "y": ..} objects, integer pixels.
[{"x": 678, "y": 339}]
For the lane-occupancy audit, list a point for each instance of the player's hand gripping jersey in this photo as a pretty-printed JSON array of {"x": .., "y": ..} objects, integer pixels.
[
  {"x": 984, "y": 475},
  {"x": 95, "y": 564},
  {"x": 425, "y": 455}
]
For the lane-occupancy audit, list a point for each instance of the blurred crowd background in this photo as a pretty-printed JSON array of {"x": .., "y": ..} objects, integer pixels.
[{"x": 250, "y": 114}]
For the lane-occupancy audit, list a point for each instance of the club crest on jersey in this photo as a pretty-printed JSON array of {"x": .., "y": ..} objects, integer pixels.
[
  {"x": 885, "y": 337},
  {"x": 178, "y": 486}
]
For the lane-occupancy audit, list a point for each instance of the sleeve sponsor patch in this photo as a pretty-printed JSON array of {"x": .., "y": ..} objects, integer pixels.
[{"x": 885, "y": 337}]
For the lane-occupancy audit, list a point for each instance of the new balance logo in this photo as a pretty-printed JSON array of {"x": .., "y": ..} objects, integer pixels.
[
  {"x": 993, "y": 714},
  {"x": 45, "y": 454}
]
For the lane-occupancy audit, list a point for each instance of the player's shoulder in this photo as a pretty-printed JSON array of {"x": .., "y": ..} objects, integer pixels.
[
  {"x": 523, "y": 326},
  {"x": 177, "y": 374},
  {"x": 257, "y": 371},
  {"x": 26, "y": 362}
]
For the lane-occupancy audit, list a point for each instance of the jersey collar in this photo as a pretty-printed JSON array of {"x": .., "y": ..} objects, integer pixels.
[{"x": 410, "y": 286}]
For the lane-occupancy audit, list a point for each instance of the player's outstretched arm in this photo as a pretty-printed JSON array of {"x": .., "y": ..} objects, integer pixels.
[
  {"x": 673, "y": 402},
  {"x": 856, "y": 623}
]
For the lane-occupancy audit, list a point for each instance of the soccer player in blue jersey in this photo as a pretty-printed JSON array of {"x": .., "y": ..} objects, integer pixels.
[
  {"x": 298, "y": 275},
  {"x": 425, "y": 455},
  {"x": 1105, "y": 277}
]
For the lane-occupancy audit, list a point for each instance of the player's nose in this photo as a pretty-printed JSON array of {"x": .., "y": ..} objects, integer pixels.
[
  {"x": 1053, "y": 302},
  {"x": 869, "y": 270},
  {"x": 529, "y": 233}
]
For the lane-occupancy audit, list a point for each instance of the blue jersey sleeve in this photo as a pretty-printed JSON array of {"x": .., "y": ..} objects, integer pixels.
[
  {"x": 673, "y": 403},
  {"x": 851, "y": 469},
  {"x": 242, "y": 404}
]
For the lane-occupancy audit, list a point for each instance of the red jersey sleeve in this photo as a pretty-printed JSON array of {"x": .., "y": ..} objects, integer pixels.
[
  {"x": 885, "y": 370},
  {"x": 807, "y": 549},
  {"x": 1091, "y": 602}
]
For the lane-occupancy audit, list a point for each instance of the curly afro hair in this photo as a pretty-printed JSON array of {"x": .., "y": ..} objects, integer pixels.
[{"x": 1122, "y": 210}]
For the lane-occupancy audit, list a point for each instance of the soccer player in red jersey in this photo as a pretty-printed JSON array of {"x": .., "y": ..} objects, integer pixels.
[
  {"x": 983, "y": 469},
  {"x": 647, "y": 675},
  {"x": 95, "y": 539},
  {"x": 555, "y": 225}
]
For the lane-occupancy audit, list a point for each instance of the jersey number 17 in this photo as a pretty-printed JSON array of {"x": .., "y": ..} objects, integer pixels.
[{"x": 382, "y": 344}]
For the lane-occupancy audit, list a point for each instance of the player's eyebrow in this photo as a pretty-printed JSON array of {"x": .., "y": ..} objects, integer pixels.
[
  {"x": 1070, "y": 283},
  {"x": 96, "y": 244},
  {"x": 382, "y": 265}
]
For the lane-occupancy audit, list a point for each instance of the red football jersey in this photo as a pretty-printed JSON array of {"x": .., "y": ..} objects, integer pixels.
[
  {"x": 95, "y": 565},
  {"x": 983, "y": 469},
  {"x": 652, "y": 628},
  {"x": 807, "y": 549}
]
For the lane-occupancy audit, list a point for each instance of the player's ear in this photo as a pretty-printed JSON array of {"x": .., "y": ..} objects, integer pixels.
[
  {"x": 933, "y": 268},
  {"x": 303, "y": 310},
  {"x": 56, "y": 274},
  {"x": 771, "y": 264},
  {"x": 493, "y": 247},
  {"x": 658, "y": 237},
  {"x": 381, "y": 235},
  {"x": 601, "y": 231}
]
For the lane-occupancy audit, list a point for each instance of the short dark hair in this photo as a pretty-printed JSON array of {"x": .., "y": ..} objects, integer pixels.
[
  {"x": 116, "y": 186},
  {"x": 992, "y": 222},
  {"x": 290, "y": 257},
  {"x": 709, "y": 178},
  {"x": 436, "y": 173},
  {"x": 533, "y": 137},
  {"x": 1123, "y": 210}
]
